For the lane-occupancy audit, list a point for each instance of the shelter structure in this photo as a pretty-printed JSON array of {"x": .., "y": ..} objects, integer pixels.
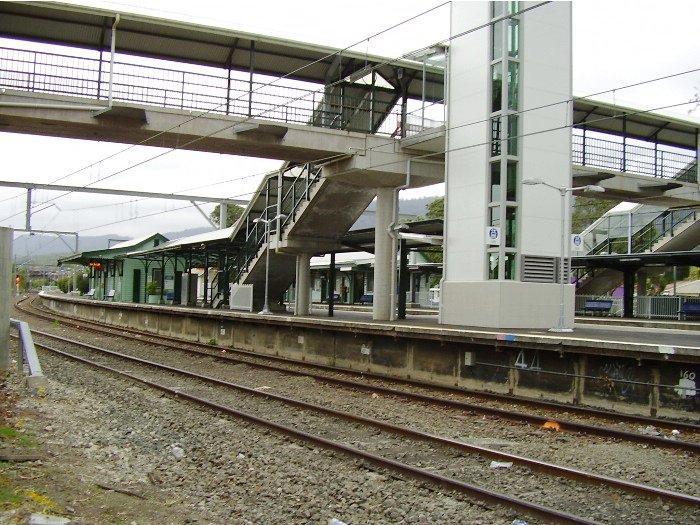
[{"x": 112, "y": 274}]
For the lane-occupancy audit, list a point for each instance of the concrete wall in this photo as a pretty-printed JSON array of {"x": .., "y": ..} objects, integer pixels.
[{"x": 523, "y": 365}]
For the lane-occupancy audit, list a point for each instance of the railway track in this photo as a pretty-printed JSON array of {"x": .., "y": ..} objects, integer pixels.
[
  {"x": 587, "y": 420},
  {"x": 428, "y": 457}
]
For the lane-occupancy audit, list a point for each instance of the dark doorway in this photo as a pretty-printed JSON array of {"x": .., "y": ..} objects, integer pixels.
[{"x": 136, "y": 292}]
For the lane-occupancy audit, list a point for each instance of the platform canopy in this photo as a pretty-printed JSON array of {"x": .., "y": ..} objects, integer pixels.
[
  {"x": 634, "y": 261},
  {"x": 90, "y": 28},
  {"x": 636, "y": 123}
]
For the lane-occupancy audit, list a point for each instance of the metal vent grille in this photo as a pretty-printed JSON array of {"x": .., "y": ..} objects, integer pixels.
[{"x": 539, "y": 269}]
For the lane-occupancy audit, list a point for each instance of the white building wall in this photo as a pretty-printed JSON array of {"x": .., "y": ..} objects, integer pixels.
[
  {"x": 546, "y": 141},
  {"x": 468, "y": 145}
]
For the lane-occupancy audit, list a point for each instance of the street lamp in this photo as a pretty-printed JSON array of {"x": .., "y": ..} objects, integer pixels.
[
  {"x": 563, "y": 191},
  {"x": 266, "y": 222}
]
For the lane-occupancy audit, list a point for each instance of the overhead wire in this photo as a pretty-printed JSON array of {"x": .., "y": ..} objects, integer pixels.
[{"x": 405, "y": 55}]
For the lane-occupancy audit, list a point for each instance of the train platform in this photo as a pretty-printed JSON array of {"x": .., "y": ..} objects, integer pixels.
[{"x": 681, "y": 337}]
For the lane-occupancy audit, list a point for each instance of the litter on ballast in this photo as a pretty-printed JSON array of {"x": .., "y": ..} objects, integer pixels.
[
  {"x": 39, "y": 518},
  {"x": 501, "y": 464}
]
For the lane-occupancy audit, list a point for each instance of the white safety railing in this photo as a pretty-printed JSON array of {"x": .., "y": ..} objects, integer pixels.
[
  {"x": 644, "y": 307},
  {"x": 36, "y": 381}
]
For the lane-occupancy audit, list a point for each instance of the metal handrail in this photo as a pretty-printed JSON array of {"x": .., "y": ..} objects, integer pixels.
[
  {"x": 36, "y": 380},
  {"x": 634, "y": 158},
  {"x": 193, "y": 88},
  {"x": 288, "y": 205}
]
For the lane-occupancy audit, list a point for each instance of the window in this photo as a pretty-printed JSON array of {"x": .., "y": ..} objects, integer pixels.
[
  {"x": 497, "y": 41},
  {"x": 513, "y": 38},
  {"x": 496, "y": 181},
  {"x": 510, "y": 266},
  {"x": 510, "y": 226},
  {"x": 513, "y": 85},
  {"x": 493, "y": 265},
  {"x": 495, "y": 216},
  {"x": 512, "y": 181},
  {"x": 495, "y": 136},
  {"x": 496, "y": 87},
  {"x": 512, "y": 134}
]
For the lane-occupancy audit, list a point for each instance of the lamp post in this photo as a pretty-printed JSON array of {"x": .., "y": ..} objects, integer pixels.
[
  {"x": 563, "y": 192},
  {"x": 266, "y": 222}
]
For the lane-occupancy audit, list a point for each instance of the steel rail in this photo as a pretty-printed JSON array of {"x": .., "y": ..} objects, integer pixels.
[
  {"x": 570, "y": 426},
  {"x": 415, "y": 472},
  {"x": 548, "y": 468}
]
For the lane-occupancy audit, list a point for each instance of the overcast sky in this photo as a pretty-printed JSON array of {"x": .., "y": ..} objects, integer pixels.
[{"x": 616, "y": 43}]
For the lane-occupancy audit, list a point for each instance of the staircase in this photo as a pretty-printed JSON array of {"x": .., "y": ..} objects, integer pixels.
[
  {"x": 314, "y": 213},
  {"x": 653, "y": 229}
]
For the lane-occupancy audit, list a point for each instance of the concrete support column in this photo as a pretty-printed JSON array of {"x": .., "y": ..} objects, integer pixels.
[
  {"x": 381, "y": 307},
  {"x": 579, "y": 384},
  {"x": 5, "y": 295},
  {"x": 303, "y": 284},
  {"x": 654, "y": 395}
]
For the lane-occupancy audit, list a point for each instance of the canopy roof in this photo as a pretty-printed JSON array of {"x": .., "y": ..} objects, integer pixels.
[
  {"x": 635, "y": 122},
  {"x": 89, "y": 27}
]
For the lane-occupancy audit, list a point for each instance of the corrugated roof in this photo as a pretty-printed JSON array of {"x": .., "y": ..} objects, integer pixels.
[{"x": 90, "y": 27}]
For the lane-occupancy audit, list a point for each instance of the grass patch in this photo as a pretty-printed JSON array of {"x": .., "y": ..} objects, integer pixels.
[{"x": 13, "y": 436}]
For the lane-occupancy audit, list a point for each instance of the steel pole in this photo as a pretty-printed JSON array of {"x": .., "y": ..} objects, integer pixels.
[
  {"x": 266, "y": 306},
  {"x": 6, "y": 281},
  {"x": 560, "y": 326}
]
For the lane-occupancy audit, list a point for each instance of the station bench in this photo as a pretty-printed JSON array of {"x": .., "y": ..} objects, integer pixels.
[
  {"x": 110, "y": 295},
  {"x": 689, "y": 309},
  {"x": 91, "y": 293},
  {"x": 598, "y": 305},
  {"x": 367, "y": 298}
]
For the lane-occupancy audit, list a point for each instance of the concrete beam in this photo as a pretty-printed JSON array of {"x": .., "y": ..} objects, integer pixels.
[{"x": 375, "y": 159}]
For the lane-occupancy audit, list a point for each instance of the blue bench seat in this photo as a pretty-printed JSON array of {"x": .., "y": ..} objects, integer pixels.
[
  {"x": 367, "y": 298},
  {"x": 689, "y": 309},
  {"x": 598, "y": 305}
]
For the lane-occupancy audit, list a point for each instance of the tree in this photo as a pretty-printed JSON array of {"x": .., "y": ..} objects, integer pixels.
[
  {"x": 588, "y": 210},
  {"x": 436, "y": 209},
  {"x": 233, "y": 213}
]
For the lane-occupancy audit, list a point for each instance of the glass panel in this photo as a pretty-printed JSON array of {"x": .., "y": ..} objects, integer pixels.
[
  {"x": 493, "y": 265},
  {"x": 495, "y": 136},
  {"x": 495, "y": 182},
  {"x": 497, "y": 9},
  {"x": 513, "y": 84},
  {"x": 497, "y": 41},
  {"x": 495, "y": 216},
  {"x": 512, "y": 134},
  {"x": 513, "y": 38},
  {"x": 510, "y": 266},
  {"x": 510, "y": 227},
  {"x": 513, "y": 7},
  {"x": 512, "y": 182},
  {"x": 496, "y": 87}
]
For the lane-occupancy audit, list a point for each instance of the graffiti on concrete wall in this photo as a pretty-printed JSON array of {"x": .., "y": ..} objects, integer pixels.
[{"x": 618, "y": 379}]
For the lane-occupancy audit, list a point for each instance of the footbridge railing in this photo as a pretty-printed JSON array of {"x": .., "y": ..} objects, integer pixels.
[
  {"x": 634, "y": 157},
  {"x": 200, "y": 89}
]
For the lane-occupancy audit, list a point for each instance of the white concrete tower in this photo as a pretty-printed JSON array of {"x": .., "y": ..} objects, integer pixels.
[{"x": 509, "y": 92}]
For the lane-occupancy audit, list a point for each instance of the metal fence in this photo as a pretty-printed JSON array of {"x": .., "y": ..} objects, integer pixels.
[
  {"x": 644, "y": 307},
  {"x": 194, "y": 88},
  {"x": 633, "y": 158}
]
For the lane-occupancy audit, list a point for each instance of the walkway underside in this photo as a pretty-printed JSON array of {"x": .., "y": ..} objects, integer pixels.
[{"x": 68, "y": 117}]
